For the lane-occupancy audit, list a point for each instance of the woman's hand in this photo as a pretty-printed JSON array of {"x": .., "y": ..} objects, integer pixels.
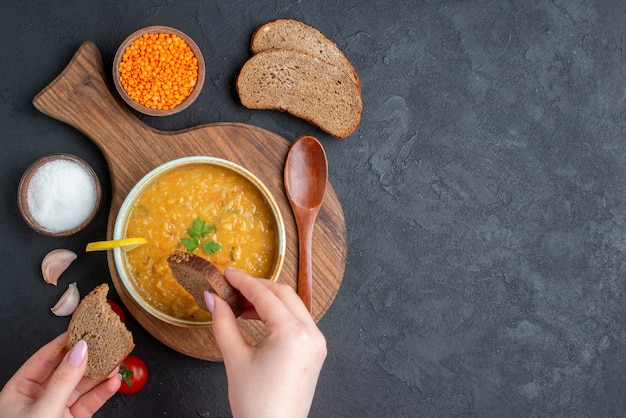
[
  {"x": 277, "y": 377},
  {"x": 51, "y": 384}
]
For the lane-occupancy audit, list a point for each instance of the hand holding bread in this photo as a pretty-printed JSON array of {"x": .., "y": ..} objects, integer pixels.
[
  {"x": 108, "y": 339},
  {"x": 51, "y": 383},
  {"x": 198, "y": 275},
  {"x": 290, "y": 357}
]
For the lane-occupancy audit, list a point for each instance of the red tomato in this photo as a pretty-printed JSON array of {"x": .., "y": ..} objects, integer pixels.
[
  {"x": 117, "y": 309},
  {"x": 134, "y": 375}
]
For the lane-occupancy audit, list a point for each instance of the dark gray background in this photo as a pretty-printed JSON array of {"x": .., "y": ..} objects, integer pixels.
[{"x": 483, "y": 193}]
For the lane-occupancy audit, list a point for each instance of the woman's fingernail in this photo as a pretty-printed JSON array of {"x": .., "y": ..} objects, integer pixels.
[
  {"x": 77, "y": 353},
  {"x": 229, "y": 268},
  {"x": 209, "y": 299}
]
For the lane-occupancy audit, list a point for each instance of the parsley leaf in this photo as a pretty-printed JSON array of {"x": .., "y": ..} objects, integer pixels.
[
  {"x": 200, "y": 228},
  {"x": 190, "y": 243},
  {"x": 211, "y": 247}
]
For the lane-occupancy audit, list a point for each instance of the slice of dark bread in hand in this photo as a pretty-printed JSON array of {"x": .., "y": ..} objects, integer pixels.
[
  {"x": 197, "y": 274},
  {"x": 305, "y": 86},
  {"x": 108, "y": 340},
  {"x": 295, "y": 35}
]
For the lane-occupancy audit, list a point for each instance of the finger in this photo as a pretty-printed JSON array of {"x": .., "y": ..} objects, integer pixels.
[
  {"x": 92, "y": 401},
  {"x": 257, "y": 291},
  {"x": 286, "y": 294},
  {"x": 247, "y": 309},
  {"x": 225, "y": 328},
  {"x": 86, "y": 385},
  {"x": 65, "y": 379},
  {"x": 292, "y": 301},
  {"x": 41, "y": 364}
]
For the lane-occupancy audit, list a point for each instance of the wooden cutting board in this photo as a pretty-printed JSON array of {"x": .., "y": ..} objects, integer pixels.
[{"x": 81, "y": 97}]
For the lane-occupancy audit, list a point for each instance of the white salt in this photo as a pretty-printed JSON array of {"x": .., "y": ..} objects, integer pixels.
[{"x": 61, "y": 195}]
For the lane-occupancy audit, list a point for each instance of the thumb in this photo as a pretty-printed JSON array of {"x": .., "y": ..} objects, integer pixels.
[
  {"x": 225, "y": 328},
  {"x": 65, "y": 379}
]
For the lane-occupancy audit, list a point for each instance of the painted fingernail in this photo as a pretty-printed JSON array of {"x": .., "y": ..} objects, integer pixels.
[
  {"x": 77, "y": 353},
  {"x": 209, "y": 299}
]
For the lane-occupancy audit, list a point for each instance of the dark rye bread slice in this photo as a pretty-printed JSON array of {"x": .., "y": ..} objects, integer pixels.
[
  {"x": 298, "y": 36},
  {"x": 108, "y": 340},
  {"x": 305, "y": 86},
  {"x": 197, "y": 274}
]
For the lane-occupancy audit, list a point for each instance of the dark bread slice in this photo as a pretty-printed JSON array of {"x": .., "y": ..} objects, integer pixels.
[
  {"x": 108, "y": 340},
  {"x": 298, "y": 36},
  {"x": 305, "y": 86},
  {"x": 197, "y": 274}
]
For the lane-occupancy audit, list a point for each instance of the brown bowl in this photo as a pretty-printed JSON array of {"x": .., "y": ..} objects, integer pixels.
[
  {"x": 23, "y": 200},
  {"x": 140, "y": 107}
]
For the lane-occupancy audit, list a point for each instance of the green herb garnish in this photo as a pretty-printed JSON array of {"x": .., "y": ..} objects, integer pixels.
[
  {"x": 190, "y": 243},
  {"x": 211, "y": 247},
  {"x": 198, "y": 230}
]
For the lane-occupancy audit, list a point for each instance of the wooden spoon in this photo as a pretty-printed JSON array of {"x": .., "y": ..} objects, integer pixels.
[{"x": 306, "y": 175}]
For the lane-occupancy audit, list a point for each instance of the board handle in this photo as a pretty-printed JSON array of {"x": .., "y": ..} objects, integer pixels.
[{"x": 80, "y": 97}]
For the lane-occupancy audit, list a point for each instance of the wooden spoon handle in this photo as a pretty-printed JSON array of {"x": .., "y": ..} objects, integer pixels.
[
  {"x": 80, "y": 97},
  {"x": 305, "y": 222}
]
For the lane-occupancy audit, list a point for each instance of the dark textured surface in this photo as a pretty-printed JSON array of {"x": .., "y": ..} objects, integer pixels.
[{"x": 484, "y": 194}]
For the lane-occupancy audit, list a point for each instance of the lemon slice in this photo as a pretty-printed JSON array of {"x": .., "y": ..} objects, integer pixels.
[{"x": 125, "y": 244}]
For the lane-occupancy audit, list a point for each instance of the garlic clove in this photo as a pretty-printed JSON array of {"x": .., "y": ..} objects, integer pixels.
[
  {"x": 55, "y": 263},
  {"x": 68, "y": 302}
]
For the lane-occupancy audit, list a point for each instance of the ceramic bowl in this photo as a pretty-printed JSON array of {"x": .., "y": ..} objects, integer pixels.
[
  {"x": 123, "y": 216},
  {"x": 30, "y": 214},
  {"x": 140, "y": 107}
]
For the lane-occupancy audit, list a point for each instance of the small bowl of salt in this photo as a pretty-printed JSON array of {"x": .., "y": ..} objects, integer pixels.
[{"x": 59, "y": 195}]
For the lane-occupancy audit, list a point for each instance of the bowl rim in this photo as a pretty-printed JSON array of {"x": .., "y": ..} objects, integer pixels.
[
  {"x": 119, "y": 229},
  {"x": 138, "y": 106},
  {"x": 22, "y": 194}
]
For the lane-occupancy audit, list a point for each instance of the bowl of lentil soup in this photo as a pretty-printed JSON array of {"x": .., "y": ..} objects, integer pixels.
[
  {"x": 211, "y": 207},
  {"x": 158, "y": 70}
]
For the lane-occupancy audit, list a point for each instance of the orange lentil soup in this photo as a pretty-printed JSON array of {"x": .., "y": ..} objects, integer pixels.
[{"x": 243, "y": 231}]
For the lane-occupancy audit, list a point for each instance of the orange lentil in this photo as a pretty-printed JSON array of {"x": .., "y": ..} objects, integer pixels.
[{"x": 158, "y": 70}]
